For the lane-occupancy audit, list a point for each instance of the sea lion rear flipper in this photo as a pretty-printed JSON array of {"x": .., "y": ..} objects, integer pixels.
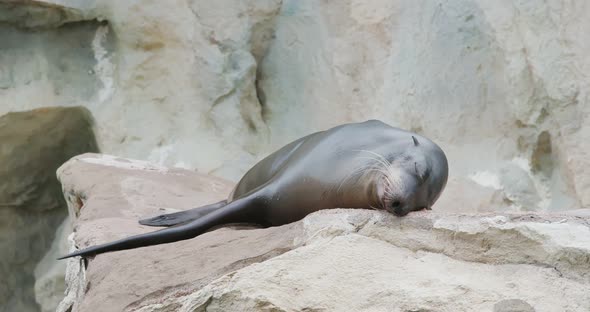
[
  {"x": 182, "y": 217},
  {"x": 239, "y": 210}
]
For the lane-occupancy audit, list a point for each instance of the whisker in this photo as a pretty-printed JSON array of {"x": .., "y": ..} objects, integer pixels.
[
  {"x": 380, "y": 157},
  {"x": 351, "y": 174},
  {"x": 373, "y": 153},
  {"x": 389, "y": 174},
  {"x": 377, "y": 160},
  {"x": 389, "y": 193},
  {"x": 365, "y": 167}
]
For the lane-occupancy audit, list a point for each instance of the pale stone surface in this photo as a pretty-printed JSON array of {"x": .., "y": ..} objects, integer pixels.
[
  {"x": 216, "y": 86},
  {"x": 32, "y": 146},
  {"x": 468, "y": 196},
  {"x": 333, "y": 260},
  {"x": 513, "y": 305}
]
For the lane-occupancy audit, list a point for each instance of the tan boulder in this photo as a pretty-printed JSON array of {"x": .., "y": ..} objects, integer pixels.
[{"x": 333, "y": 260}]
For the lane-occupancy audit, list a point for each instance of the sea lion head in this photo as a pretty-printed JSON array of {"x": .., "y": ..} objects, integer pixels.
[{"x": 413, "y": 179}]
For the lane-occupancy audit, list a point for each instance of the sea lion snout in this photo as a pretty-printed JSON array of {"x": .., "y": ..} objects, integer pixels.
[
  {"x": 399, "y": 211},
  {"x": 396, "y": 207},
  {"x": 408, "y": 194}
]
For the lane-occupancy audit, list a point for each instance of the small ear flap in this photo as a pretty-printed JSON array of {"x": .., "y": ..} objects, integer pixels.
[{"x": 416, "y": 143}]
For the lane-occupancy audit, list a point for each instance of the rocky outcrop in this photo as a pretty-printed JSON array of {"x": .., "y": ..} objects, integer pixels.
[
  {"x": 32, "y": 146},
  {"x": 333, "y": 260},
  {"x": 216, "y": 86}
]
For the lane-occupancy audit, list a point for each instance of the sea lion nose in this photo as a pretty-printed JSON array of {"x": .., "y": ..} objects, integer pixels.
[
  {"x": 398, "y": 211},
  {"x": 398, "y": 208}
]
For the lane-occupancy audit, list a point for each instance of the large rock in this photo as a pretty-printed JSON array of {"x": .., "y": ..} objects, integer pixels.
[
  {"x": 32, "y": 146},
  {"x": 333, "y": 260},
  {"x": 215, "y": 86}
]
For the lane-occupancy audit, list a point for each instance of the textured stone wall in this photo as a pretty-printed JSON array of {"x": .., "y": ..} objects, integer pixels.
[{"x": 216, "y": 86}]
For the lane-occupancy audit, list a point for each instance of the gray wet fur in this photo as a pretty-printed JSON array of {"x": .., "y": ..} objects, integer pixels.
[{"x": 367, "y": 165}]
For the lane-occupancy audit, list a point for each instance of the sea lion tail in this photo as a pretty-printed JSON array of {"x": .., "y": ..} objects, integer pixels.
[{"x": 232, "y": 212}]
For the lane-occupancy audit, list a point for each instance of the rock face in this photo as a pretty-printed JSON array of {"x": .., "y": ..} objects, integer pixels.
[
  {"x": 333, "y": 260},
  {"x": 500, "y": 85},
  {"x": 32, "y": 146}
]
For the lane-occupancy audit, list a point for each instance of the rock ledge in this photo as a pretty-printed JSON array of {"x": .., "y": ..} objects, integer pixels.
[{"x": 334, "y": 260}]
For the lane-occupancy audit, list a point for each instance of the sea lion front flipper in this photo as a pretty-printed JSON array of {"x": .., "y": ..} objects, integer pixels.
[{"x": 182, "y": 217}]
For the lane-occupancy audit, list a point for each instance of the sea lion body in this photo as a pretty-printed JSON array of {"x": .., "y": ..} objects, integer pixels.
[
  {"x": 314, "y": 172},
  {"x": 358, "y": 165}
]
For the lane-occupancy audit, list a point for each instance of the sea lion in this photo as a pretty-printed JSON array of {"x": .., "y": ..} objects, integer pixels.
[{"x": 358, "y": 165}]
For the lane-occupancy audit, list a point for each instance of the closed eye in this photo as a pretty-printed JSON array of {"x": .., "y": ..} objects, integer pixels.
[
  {"x": 425, "y": 175},
  {"x": 422, "y": 176}
]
